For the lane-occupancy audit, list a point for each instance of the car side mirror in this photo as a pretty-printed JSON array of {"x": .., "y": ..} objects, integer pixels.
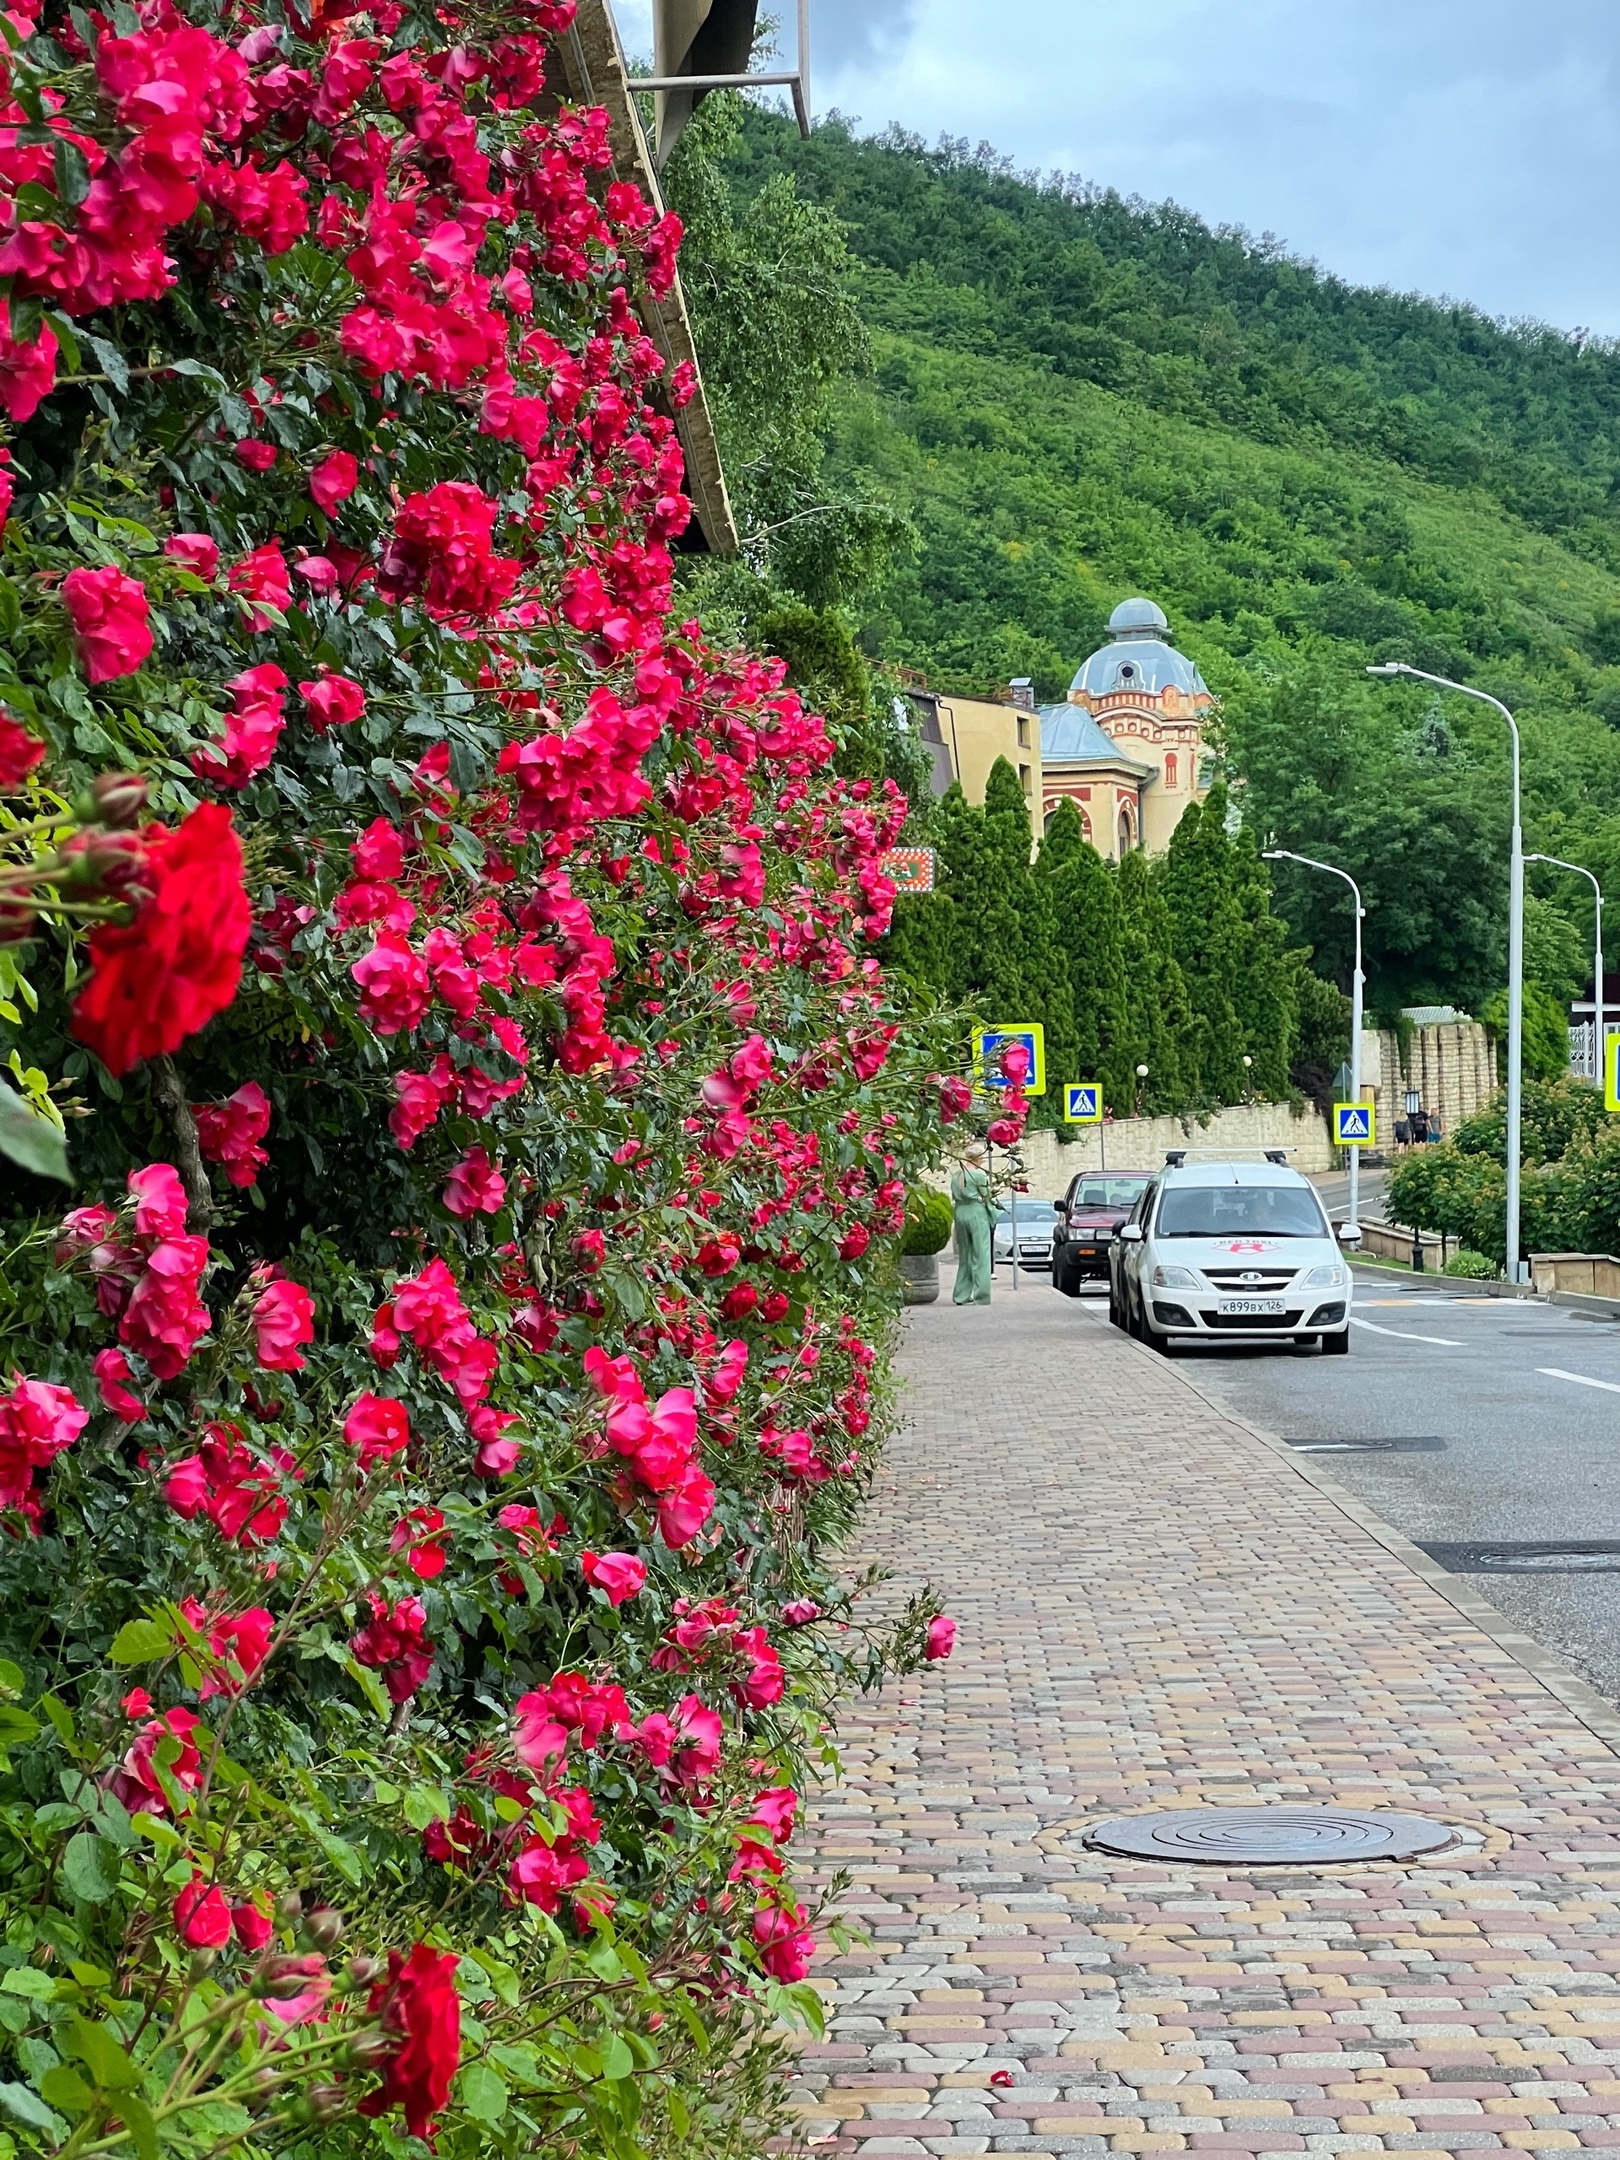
[
  {"x": 1060, "y": 1207},
  {"x": 1349, "y": 1233},
  {"x": 1130, "y": 1233}
]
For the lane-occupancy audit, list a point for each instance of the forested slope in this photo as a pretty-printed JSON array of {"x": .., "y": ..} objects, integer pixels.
[{"x": 1073, "y": 397}]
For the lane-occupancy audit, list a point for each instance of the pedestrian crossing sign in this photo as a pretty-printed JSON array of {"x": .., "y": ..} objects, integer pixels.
[
  {"x": 1082, "y": 1103},
  {"x": 1611, "y": 1073},
  {"x": 989, "y": 1043},
  {"x": 1353, "y": 1124}
]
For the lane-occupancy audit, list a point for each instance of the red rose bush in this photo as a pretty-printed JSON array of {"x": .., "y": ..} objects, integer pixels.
[{"x": 446, "y": 979}]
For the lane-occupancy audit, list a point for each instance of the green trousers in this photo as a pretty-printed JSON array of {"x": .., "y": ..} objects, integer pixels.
[{"x": 973, "y": 1255}]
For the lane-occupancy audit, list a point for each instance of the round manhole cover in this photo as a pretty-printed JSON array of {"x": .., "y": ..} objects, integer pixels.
[{"x": 1270, "y": 1836}]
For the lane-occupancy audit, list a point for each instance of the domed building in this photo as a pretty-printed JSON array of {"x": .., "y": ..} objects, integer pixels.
[{"x": 1127, "y": 748}]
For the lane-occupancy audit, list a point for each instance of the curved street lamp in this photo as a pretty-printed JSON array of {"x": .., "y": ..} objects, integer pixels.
[
  {"x": 1515, "y": 1058},
  {"x": 1357, "y": 983},
  {"x": 1599, "y": 1064}
]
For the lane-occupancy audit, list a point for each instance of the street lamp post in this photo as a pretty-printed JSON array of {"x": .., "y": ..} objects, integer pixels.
[
  {"x": 1357, "y": 989},
  {"x": 1599, "y": 1071},
  {"x": 1515, "y": 1058},
  {"x": 1141, "y": 1075}
]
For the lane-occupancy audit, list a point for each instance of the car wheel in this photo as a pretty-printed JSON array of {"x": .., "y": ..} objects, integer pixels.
[
  {"x": 1156, "y": 1341},
  {"x": 1337, "y": 1345},
  {"x": 1116, "y": 1317},
  {"x": 1067, "y": 1280},
  {"x": 1304, "y": 1345}
]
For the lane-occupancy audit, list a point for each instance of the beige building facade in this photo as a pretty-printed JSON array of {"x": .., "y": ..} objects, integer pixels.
[
  {"x": 1127, "y": 747},
  {"x": 965, "y": 736}
]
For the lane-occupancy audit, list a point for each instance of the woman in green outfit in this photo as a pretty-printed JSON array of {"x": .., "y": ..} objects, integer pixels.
[{"x": 970, "y": 1197}]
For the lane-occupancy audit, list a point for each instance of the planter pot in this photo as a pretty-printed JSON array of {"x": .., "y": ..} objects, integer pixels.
[{"x": 919, "y": 1278}]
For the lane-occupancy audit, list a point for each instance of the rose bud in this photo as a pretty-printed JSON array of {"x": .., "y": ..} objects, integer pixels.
[
  {"x": 118, "y": 798},
  {"x": 109, "y": 862},
  {"x": 325, "y": 2100},
  {"x": 365, "y": 1971},
  {"x": 289, "y": 1908},
  {"x": 371, "y": 2048},
  {"x": 324, "y": 1927}
]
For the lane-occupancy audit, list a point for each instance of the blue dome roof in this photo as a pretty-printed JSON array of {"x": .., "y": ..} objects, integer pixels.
[
  {"x": 1070, "y": 736},
  {"x": 1141, "y": 658}
]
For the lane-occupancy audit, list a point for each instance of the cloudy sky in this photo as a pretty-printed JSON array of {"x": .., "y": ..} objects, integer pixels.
[{"x": 1461, "y": 147}]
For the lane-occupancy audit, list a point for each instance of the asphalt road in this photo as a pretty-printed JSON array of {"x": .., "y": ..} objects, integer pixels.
[{"x": 1506, "y": 1419}]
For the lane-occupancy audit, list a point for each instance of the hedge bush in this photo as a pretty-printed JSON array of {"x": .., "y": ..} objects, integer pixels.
[
  {"x": 929, "y": 1222},
  {"x": 458, "y": 1123}
]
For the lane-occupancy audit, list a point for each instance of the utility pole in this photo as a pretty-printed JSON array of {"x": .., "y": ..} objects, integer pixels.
[
  {"x": 1357, "y": 982},
  {"x": 1600, "y": 1072}
]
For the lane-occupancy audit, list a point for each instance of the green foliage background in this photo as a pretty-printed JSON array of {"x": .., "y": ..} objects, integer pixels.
[{"x": 1072, "y": 397}]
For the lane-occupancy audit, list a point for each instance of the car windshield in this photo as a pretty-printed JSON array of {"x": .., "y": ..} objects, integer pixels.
[
  {"x": 1216, "y": 1211},
  {"x": 1107, "y": 1192}
]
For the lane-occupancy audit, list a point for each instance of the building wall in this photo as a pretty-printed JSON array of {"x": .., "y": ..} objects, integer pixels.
[
  {"x": 1100, "y": 797},
  {"x": 1142, "y": 1143},
  {"x": 977, "y": 732},
  {"x": 1451, "y": 1064}
]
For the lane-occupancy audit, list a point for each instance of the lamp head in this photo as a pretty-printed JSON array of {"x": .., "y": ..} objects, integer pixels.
[{"x": 1389, "y": 667}]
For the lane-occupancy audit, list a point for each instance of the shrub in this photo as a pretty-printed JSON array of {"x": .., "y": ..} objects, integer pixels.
[
  {"x": 929, "y": 1222},
  {"x": 1555, "y": 1116},
  {"x": 482, "y": 1105},
  {"x": 1473, "y": 1266}
]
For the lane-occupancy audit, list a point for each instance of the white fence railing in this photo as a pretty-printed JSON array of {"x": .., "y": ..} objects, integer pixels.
[{"x": 1583, "y": 1064}]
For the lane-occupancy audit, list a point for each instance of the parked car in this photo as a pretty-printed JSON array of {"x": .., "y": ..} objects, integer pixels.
[
  {"x": 1230, "y": 1252},
  {"x": 1034, "y": 1235},
  {"x": 1088, "y": 1215}
]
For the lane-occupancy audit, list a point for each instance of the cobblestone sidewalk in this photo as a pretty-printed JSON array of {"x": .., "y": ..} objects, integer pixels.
[{"x": 1158, "y": 1609}]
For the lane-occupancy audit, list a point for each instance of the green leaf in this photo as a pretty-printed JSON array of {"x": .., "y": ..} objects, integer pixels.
[
  {"x": 16, "y": 1726},
  {"x": 102, "y": 2053},
  {"x": 520, "y": 2060},
  {"x": 138, "y": 1641},
  {"x": 12, "y": 1677},
  {"x": 29, "y": 1980},
  {"x": 28, "y": 2107},
  {"x": 483, "y": 2093},
  {"x": 425, "y": 1804},
  {"x": 617, "y": 2060},
  {"x": 72, "y": 176},
  {"x": 90, "y": 1867},
  {"x": 138, "y": 2121},
  {"x": 367, "y": 1682},
  {"x": 64, "y": 2088},
  {"x": 32, "y": 1142},
  {"x": 112, "y": 360}
]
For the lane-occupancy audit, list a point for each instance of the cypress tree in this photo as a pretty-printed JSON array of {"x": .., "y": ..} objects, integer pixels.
[
  {"x": 1265, "y": 990},
  {"x": 1161, "y": 1029},
  {"x": 1086, "y": 921},
  {"x": 1024, "y": 959},
  {"x": 1200, "y": 884}
]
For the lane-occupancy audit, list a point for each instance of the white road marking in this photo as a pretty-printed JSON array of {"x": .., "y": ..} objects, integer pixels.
[
  {"x": 1554, "y": 1372},
  {"x": 1444, "y": 1342}
]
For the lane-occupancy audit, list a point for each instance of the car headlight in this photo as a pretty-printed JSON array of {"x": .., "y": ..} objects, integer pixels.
[
  {"x": 1329, "y": 1276},
  {"x": 1174, "y": 1278}
]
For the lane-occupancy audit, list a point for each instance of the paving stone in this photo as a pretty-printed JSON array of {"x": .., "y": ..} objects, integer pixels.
[{"x": 1156, "y": 1609}]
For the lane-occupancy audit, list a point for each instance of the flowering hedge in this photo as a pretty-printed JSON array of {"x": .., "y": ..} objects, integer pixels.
[{"x": 426, "y": 1416}]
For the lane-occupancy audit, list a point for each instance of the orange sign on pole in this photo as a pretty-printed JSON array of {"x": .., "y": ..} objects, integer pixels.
[{"x": 910, "y": 869}]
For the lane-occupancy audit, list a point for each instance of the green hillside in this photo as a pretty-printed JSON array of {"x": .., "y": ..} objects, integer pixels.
[{"x": 1072, "y": 397}]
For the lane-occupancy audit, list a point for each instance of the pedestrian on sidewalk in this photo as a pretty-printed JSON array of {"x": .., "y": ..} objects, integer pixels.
[{"x": 974, "y": 1216}]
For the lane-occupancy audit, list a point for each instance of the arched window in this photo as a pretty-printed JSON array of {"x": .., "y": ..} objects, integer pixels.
[
  {"x": 1170, "y": 770},
  {"x": 1125, "y": 841}
]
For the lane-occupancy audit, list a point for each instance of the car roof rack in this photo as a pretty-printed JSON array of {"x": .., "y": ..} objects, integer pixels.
[{"x": 1175, "y": 1157}]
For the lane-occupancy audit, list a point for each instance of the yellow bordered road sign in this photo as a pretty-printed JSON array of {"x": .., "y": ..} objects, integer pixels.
[
  {"x": 1082, "y": 1103},
  {"x": 988, "y": 1044},
  {"x": 1354, "y": 1124},
  {"x": 1611, "y": 1074}
]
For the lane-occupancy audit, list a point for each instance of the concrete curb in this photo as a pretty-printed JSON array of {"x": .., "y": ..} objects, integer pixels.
[{"x": 1578, "y": 1697}]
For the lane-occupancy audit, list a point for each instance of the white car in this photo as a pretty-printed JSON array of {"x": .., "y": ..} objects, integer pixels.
[
  {"x": 1034, "y": 1236},
  {"x": 1231, "y": 1252}
]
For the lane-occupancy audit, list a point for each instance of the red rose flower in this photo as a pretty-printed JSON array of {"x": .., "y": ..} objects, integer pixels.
[
  {"x": 394, "y": 1643},
  {"x": 419, "y": 2003},
  {"x": 160, "y": 978},
  {"x": 111, "y": 625},
  {"x": 334, "y": 479},
  {"x": 202, "y": 1919},
  {"x": 20, "y": 752},
  {"x": 283, "y": 1317}
]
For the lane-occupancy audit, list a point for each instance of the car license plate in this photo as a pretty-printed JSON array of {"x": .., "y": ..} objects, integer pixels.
[{"x": 1251, "y": 1307}]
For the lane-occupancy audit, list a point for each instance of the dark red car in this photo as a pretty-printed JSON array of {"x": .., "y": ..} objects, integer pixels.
[{"x": 1088, "y": 1216}]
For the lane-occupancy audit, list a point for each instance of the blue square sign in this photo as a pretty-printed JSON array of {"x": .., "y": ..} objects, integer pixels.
[
  {"x": 1353, "y": 1124},
  {"x": 988, "y": 1044},
  {"x": 1082, "y": 1103}
]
